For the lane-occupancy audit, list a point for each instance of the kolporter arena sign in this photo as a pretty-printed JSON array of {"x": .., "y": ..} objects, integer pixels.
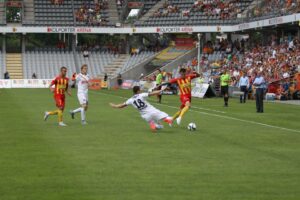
[
  {"x": 68, "y": 30},
  {"x": 174, "y": 29}
]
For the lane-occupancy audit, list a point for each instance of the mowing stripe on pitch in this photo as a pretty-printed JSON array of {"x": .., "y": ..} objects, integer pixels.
[{"x": 215, "y": 115}]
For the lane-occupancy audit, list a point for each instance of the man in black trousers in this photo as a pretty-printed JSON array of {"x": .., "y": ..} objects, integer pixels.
[
  {"x": 244, "y": 86},
  {"x": 259, "y": 83}
]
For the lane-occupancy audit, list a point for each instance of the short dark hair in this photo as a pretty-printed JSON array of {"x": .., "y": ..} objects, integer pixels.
[
  {"x": 159, "y": 70},
  {"x": 136, "y": 89},
  {"x": 182, "y": 70},
  {"x": 85, "y": 65},
  {"x": 63, "y": 68}
]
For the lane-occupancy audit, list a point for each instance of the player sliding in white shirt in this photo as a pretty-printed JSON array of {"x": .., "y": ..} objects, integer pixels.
[
  {"x": 147, "y": 111},
  {"x": 82, "y": 93}
]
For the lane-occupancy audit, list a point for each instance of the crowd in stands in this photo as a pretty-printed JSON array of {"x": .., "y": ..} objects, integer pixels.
[
  {"x": 57, "y": 2},
  {"x": 278, "y": 62},
  {"x": 220, "y": 9},
  {"x": 120, "y": 2},
  {"x": 279, "y": 6},
  {"x": 166, "y": 10},
  {"x": 231, "y": 9},
  {"x": 91, "y": 13}
]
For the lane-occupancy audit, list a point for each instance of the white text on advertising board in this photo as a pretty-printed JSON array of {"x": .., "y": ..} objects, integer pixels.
[
  {"x": 174, "y": 29},
  {"x": 244, "y": 26},
  {"x": 276, "y": 21},
  {"x": 61, "y": 30},
  {"x": 68, "y": 30}
]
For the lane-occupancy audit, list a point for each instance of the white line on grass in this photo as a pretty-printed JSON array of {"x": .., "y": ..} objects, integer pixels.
[
  {"x": 217, "y": 115},
  {"x": 207, "y": 109}
]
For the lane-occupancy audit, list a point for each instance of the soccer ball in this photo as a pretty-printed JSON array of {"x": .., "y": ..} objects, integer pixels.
[{"x": 192, "y": 126}]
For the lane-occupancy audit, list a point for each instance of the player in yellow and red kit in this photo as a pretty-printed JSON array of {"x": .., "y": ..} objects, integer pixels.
[
  {"x": 61, "y": 84},
  {"x": 185, "y": 87}
]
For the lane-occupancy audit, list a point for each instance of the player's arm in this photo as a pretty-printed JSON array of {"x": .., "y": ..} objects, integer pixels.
[
  {"x": 122, "y": 105},
  {"x": 163, "y": 84},
  {"x": 53, "y": 82},
  {"x": 194, "y": 75},
  {"x": 68, "y": 90},
  {"x": 174, "y": 80},
  {"x": 154, "y": 93},
  {"x": 90, "y": 83}
]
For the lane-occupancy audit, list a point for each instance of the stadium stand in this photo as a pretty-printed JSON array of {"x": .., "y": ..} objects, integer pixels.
[
  {"x": 273, "y": 8},
  {"x": 28, "y": 17},
  {"x": 136, "y": 59},
  {"x": 46, "y": 13},
  {"x": 47, "y": 64},
  {"x": 2, "y": 14},
  {"x": 279, "y": 62},
  {"x": 190, "y": 12},
  {"x": 154, "y": 12},
  {"x": 2, "y": 70},
  {"x": 87, "y": 13},
  {"x": 13, "y": 64},
  {"x": 97, "y": 61}
]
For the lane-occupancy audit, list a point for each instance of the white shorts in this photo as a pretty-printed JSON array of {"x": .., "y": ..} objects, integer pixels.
[
  {"x": 154, "y": 115},
  {"x": 83, "y": 98}
]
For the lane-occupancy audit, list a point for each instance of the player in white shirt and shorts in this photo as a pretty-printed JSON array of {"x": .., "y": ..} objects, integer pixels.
[
  {"x": 149, "y": 113},
  {"x": 82, "y": 93}
]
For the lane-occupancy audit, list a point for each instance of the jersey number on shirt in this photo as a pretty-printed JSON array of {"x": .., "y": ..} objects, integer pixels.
[{"x": 139, "y": 104}]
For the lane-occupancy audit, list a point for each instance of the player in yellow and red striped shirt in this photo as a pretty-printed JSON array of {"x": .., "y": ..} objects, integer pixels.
[
  {"x": 61, "y": 84},
  {"x": 185, "y": 87}
]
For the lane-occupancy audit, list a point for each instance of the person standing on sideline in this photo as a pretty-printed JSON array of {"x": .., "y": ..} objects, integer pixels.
[
  {"x": 259, "y": 83},
  {"x": 244, "y": 86},
  {"x": 225, "y": 80},
  {"x": 159, "y": 78}
]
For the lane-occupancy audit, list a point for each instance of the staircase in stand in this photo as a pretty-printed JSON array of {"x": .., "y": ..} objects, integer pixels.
[
  {"x": 150, "y": 12},
  {"x": 2, "y": 13},
  {"x": 113, "y": 12},
  {"x": 28, "y": 12},
  {"x": 14, "y": 65},
  {"x": 116, "y": 65}
]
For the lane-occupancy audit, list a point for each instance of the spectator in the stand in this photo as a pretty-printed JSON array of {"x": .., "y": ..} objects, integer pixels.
[
  {"x": 244, "y": 85},
  {"x": 85, "y": 53},
  {"x": 105, "y": 77},
  {"x": 91, "y": 13},
  {"x": 6, "y": 75},
  {"x": 57, "y": 2},
  {"x": 119, "y": 3},
  {"x": 34, "y": 76},
  {"x": 61, "y": 45}
]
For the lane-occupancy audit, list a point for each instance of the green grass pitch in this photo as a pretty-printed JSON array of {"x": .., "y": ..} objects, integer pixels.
[{"x": 235, "y": 154}]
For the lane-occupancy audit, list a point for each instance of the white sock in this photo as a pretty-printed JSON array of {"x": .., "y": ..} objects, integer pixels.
[
  {"x": 77, "y": 110},
  {"x": 159, "y": 126},
  {"x": 169, "y": 118},
  {"x": 82, "y": 114}
]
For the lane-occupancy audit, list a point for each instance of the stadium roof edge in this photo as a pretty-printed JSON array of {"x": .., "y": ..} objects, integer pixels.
[{"x": 160, "y": 30}]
